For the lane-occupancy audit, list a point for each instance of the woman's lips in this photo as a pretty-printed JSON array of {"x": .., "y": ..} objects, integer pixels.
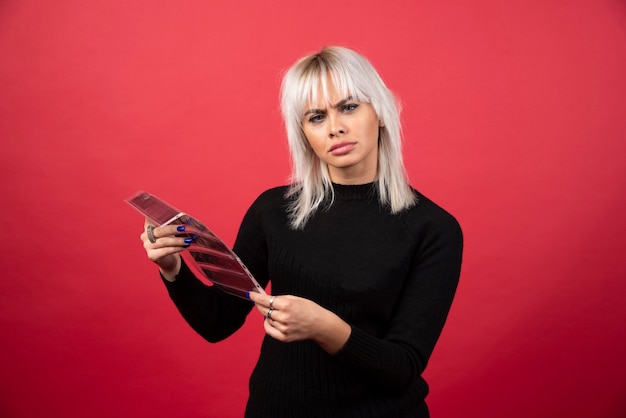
[{"x": 342, "y": 148}]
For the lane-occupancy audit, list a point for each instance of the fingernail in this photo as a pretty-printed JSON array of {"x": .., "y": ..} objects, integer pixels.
[
  {"x": 188, "y": 240},
  {"x": 180, "y": 228},
  {"x": 248, "y": 295},
  {"x": 186, "y": 245}
]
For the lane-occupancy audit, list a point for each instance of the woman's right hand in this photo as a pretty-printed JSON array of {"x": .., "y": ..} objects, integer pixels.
[{"x": 165, "y": 247}]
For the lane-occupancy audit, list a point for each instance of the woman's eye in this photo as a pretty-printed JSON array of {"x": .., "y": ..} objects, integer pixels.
[
  {"x": 350, "y": 107},
  {"x": 316, "y": 118}
]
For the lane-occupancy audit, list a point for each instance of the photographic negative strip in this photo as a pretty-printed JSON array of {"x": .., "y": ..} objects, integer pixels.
[{"x": 208, "y": 256}]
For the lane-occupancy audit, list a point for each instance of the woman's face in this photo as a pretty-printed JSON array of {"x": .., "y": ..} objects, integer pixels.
[{"x": 344, "y": 135}]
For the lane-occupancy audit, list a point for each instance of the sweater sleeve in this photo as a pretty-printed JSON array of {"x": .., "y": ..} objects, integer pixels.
[
  {"x": 211, "y": 312},
  {"x": 400, "y": 357}
]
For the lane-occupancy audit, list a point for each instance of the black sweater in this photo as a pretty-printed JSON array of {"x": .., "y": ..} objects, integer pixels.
[{"x": 391, "y": 277}]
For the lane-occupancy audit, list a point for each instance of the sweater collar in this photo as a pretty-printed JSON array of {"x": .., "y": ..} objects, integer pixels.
[{"x": 355, "y": 191}]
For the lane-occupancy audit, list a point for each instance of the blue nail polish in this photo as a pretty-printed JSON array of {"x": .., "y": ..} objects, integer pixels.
[
  {"x": 248, "y": 295},
  {"x": 188, "y": 240},
  {"x": 180, "y": 228}
]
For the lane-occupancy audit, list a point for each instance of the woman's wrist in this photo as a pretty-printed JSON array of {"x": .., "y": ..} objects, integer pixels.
[
  {"x": 333, "y": 334},
  {"x": 169, "y": 272}
]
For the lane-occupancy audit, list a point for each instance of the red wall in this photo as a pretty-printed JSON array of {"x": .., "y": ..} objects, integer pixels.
[{"x": 515, "y": 120}]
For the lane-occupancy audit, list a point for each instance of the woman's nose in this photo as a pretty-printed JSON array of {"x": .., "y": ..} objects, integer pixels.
[{"x": 336, "y": 128}]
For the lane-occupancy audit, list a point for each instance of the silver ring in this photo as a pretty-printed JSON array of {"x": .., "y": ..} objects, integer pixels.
[
  {"x": 150, "y": 233},
  {"x": 272, "y": 302},
  {"x": 269, "y": 313}
]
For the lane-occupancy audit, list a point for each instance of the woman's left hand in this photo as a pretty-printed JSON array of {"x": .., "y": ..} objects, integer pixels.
[{"x": 291, "y": 318}]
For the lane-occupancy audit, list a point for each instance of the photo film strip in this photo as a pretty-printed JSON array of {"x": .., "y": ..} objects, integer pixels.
[{"x": 208, "y": 256}]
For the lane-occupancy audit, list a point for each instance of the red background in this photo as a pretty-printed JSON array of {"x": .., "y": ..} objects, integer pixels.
[{"x": 515, "y": 120}]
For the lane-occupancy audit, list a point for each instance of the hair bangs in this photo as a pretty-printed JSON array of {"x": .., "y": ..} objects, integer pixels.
[{"x": 321, "y": 76}]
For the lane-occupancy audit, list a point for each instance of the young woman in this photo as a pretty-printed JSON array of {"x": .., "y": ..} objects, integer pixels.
[{"x": 363, "y": 267}]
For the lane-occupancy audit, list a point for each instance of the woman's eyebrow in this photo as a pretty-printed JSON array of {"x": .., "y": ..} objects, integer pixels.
[
  {"x": 308, "y": 112},
  {"x": 337, "y": 105},
  {"x": 342, "y": 102}
]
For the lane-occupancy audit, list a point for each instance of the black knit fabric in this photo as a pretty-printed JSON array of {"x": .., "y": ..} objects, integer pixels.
[{"x": 391, "y": 277}]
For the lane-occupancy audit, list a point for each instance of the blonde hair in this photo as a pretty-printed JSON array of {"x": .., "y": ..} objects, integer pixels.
[{"x": 352, "y": 75}]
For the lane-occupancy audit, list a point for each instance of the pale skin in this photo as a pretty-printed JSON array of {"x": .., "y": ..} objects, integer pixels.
[{"x": 343, "y": 133}]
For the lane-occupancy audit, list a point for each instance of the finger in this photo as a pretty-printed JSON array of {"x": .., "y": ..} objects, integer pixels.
[
  {"x": 262, "y": 304},
  {"x": 264, "y": 310},
  {"x": 148, "y": 234},
  {"x": 166, "y": 236},
  {"x": 273, "y": 329},
  {"x": 270, "y": 330},
  {"x": 159, "y": 254},
  {"x": 260, "y": 299},
  {"x": 169, "y": 229},
  {"x": 272, "y": 314}
]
